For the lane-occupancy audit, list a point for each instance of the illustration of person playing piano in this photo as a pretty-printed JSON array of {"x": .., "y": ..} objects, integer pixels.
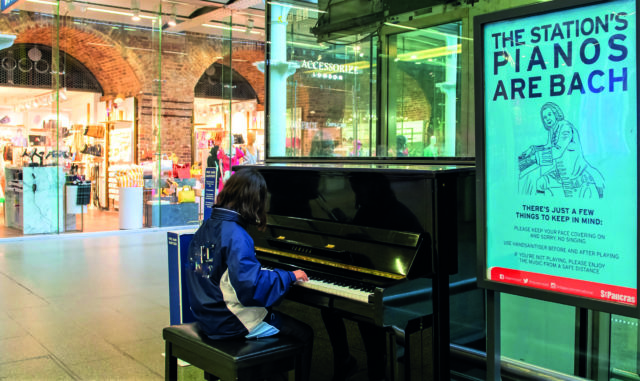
[{"x": 559, "y": 166}]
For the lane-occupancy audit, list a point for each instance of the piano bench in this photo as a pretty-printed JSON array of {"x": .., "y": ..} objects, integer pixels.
[{"x": 254, "y": 359}]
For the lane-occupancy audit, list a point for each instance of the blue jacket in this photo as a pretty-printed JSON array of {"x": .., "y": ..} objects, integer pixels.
[{"x": 228, "y": 289}]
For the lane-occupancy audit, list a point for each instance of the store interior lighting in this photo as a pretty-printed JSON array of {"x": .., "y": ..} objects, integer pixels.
[
  {"x": 110, "y": 11},
  {"x": 42, "y": 100},
  {"x": 173, "y": 20},
  {"x": 44, "y": 2},
  {"x": 225, "y": 27},
  {"x": 135, "y": 8}
]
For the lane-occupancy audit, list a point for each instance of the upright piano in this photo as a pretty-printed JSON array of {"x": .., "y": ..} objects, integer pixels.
[{"x": 381, "y": 243}]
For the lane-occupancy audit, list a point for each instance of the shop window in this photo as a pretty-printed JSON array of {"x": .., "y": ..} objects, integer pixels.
[
  {"x": 321, "y": 95},
  {"x": 423, "y": 92},
  {"x": 390, "y": 91}
]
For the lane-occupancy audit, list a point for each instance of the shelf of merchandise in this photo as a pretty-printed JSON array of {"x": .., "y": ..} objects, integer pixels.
[{"x": 120, "y": 146}]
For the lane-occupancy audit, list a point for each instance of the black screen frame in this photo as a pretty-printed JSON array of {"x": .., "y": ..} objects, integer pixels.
[{"x": 556, "y": 297}]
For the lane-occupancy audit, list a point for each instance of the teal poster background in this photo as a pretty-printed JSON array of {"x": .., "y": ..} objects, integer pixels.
[{"x": 561, "y": 146}]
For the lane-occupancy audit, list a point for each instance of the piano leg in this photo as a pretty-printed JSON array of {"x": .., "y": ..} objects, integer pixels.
[{"x": 409, "y": 351}]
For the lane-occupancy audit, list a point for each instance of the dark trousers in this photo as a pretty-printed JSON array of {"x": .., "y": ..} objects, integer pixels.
[{"x": 289, "y": 326}]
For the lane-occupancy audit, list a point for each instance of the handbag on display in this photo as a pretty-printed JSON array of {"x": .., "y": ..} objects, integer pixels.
[
  {"x": 182, "y": 171},
  {"x": 94, "y": 131},
  {"x": 186, "y": 194}
]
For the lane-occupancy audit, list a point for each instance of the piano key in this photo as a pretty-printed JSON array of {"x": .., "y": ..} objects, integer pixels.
[
  {"x": 334, "y": 289},
  {"x": 335, "y": 285}
]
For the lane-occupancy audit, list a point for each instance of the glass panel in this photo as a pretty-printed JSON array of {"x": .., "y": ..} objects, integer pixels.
[
  {"x": 424, "y": 91},
  {"x": 330, "y": 89},
  {"x": 548, "y": 329},
  {"x": 624, "y": 348},
  {"x": 72, "y": 107}
]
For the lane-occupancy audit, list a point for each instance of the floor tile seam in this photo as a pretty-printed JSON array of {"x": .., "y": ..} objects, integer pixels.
[
  {"x": 24, "y": 287},
  {"x": 64, "y": 367},
  {"x": 131, "y": 357},
  {"x": 5, "y": 363},
  {"x": 59, "y": 363}
]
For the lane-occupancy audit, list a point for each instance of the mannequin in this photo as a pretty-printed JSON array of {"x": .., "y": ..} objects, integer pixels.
[
  {"x": 227, "y": 163},
  {"x": 250, "y": 150}
]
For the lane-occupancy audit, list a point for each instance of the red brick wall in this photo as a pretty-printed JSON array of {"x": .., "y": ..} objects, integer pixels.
[{"x": 242, "y": 61}]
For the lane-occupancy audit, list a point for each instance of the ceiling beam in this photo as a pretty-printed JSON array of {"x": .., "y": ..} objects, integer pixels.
[{"x": 217, "y": 14}]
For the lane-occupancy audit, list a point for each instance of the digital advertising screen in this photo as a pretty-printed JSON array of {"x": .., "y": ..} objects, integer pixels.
[{"x": 557, "y": 152}]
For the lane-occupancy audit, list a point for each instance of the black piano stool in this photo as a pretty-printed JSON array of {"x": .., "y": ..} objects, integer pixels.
[{"x": 228, "y": 360}]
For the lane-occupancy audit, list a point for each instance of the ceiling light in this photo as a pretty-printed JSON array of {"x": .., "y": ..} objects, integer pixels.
[
  {"x": 222, "y": 27},
  {"x": 297, "y": 7},
  {"x": 173, "y": 20},
  {"x": 42, "y": 2},
  {"x": 109, "y": 11},
  {"x": 135, "y": 8}
]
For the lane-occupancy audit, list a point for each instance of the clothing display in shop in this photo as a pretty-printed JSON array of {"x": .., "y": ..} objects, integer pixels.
[
  {"x": 94, "y": 131},
  {"x": 227, "y": 163},
  {"x": 92, "y": 149},
  {"x": 94, "y": 173},
  {"x": 78, "y": 138}
]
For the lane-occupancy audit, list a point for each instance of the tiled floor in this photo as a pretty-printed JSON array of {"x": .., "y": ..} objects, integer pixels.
[
  {"x": 94, "y": 220},
  {"x": 86, "y": 307},
  {"x": 92, "y": 307}
]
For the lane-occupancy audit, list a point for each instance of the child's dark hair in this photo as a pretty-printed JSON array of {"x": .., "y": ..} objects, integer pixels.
[{"x": 246, "y": 193}]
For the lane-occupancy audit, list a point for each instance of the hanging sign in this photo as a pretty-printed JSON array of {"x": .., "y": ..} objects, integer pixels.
[
  {"x": 557, "y": 152},
  {"x": 210, "y": 190}
]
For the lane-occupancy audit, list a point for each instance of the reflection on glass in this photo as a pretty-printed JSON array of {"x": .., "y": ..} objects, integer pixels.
[
  {"x": 624, "y": 346},
  {"x": 327, "y": 110},
  {"x": 424, "y": 90},
  {"x": 323, "y": 95}
]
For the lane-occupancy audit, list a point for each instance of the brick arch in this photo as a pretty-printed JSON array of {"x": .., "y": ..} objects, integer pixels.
[
  {"x": 243, "y": 63},
  {"x": 98, "y": 53}
]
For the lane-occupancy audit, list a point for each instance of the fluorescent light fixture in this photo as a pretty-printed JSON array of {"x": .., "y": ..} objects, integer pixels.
[
  {"x": 135, "y": 7},
  {"x": 305, "y": 45},
  {"x": 109, "y": 11},
  {"x": 173, "y": 20},
  {"x": 228, "y": 28},
  {"x": 296, "y": 7},
  {"x": 42, "y": 2},
  {"x": 120, "y": 13},
  {"x": 400, "y": 26}
]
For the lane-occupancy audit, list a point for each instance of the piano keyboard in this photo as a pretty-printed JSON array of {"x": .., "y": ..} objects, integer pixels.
[
  {"x": 335, "y": 286},
  {"x": 334, "y": 289}
]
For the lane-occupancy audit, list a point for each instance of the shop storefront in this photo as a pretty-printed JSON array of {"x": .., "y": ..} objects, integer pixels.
[{"x": 110, "y": 111}]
